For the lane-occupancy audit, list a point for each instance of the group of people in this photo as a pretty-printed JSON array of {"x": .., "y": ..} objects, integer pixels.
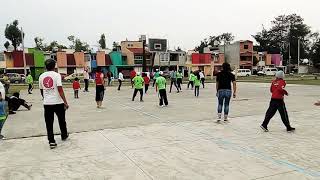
[{"x": 55, "y": 102}]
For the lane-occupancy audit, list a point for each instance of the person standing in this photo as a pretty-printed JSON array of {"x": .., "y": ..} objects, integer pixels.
[
  {"x": 109, "y": 76},
  {"x": 54, "y": 101},
  {"x": 173, "y": 78},
  {"x": 138, "y": 86},
  {"x": 191, "y": 80},
  {"x": 29, "y": 81},
  {"x": 155, "y": 76},
  {"x": 197, "y": 83},
  {"x": 179, "y": 79},
  {"x": 146, "y": 82},
  {"x": 3, "y": 114},
  {"x": 6, "y": 81},
  {"x": 223, "y": 86},
  {"x": 100, "y": 87},
  {"x": 86, "y": 80},
  {"x": 202, "y": 77},
  {"x": 120, "y": 79},
  {"x": 277, "y": 103},
  {"x": 132, "y": 75},
  {"x": 76, "y": 87},
  {"x": 161, "y": 85}
]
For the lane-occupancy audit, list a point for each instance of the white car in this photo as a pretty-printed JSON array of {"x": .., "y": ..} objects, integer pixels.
[
  {"x": 268, "y": 72},
  {"x": 243, "y": 72}
]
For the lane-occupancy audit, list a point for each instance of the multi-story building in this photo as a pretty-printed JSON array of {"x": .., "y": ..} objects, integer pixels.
[
  {"x": 239, "y": 54},
  {"x": 133, "y": 55}
]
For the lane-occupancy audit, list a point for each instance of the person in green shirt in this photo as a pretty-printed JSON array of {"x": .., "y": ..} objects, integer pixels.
[
  {"x": 138, "y": 86},
  {"x": 179, "y": 79},
  {"x": 173, "y": 78},
  {"x": 191, "y": 80},
  {"x": 155, "y": 76},
  {"x": 161, "y": 84},
  {"x": 29, "y": 81},
  {"x": 197, "y": 83}
]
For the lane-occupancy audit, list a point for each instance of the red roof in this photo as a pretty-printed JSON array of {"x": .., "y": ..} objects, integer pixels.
[{"x": 137, "y": 50}]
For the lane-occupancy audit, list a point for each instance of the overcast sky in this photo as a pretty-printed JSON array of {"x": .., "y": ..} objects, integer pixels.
[{"x": 183, "y": 22}]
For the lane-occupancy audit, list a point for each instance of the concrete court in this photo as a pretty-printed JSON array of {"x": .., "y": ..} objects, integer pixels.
[{"x": 133, "y": 140}]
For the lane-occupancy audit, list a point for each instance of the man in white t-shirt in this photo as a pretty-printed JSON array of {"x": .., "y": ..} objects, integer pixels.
[
  {"x": 202, "y": 77},
  {"x": 86, "y": 80},
  {"x": 54, "y": 101},
  {"x": 120, "y": 79}
]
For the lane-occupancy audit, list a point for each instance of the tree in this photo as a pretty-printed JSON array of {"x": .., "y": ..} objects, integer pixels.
[
  {"x": 72, "y": 39},
  {"x": 284, "y": 34},
  {"x": 77, "y": 44},
  {"x": 115, "y": 46},
  {"x": 225, "y": 38},
  {"x": 39, "y": 43},
  {"x": 102, "y": 41},
  {"x": 54, "y": 44},
  {"x": 6, "y": 45},
  {"x": 13, "y": 33}
]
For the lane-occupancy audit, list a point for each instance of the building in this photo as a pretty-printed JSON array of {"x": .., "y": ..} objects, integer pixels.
[
  {"x": 166, "y": 61},
  {"x": 239, "y": 54},
  {"x": 133, "y": 54}
]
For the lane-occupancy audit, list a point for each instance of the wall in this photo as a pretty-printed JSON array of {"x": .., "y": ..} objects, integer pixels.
[
  {"x": 116, "y": 58},
  {"x": 8, "y": 59},
  {"x": 79, "y": 58},
  {"x": 276, "y": 59},
  {"x": 250, "y": 46},
  {"x": 2, "y": 61},
  {"x": 18, "y": 59},
  {"x": 38, "y": 57},
  {"x": 130, "y": 44},
  {"x": 232, "y": 54},
  {"x": 61, "y": 59},
  {"x": 101, "y": 58},
  {"x": 268, "y": 59},
  {"x": 62, "y": 70}
]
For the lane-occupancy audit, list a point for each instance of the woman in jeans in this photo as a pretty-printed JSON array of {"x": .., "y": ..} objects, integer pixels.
[{"x": 223, "y": 85}]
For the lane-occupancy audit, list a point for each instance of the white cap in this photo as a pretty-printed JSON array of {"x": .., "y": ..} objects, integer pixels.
[
  {"x": 157, "y": 69},
  {"x": 161, "y": 73},
  {"x": 280, "y": 75},
  {"x": 138, "y": 73}
]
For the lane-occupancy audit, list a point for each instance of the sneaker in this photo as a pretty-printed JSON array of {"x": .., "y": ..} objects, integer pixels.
[
  {"x": 141, "y": 101},
  {"x": 291, "y": 129},
  {"x": 2, "y": 137},
  {"x": 65, "y": 138},
  {"x": 53, "y": 145},
  {"x": 218, "y": 118},
  {"x": 264, "y": 128},
  {"x": 161, "y": 106},
  {"x": 29, "y": 107}
]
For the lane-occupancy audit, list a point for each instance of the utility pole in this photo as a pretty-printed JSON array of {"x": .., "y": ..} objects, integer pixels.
[
  {"x": 298, "y": 54},
  {"x": 23, "y": 54},
  {"x": 289, "y": 64}
]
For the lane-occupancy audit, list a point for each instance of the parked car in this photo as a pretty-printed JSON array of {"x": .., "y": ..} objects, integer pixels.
[
  {"x": 268, "y": 72},
  {"x": 71, "y": 77},
  {"x": 243, "y": 72},
  {"x": 23, "y": 77},
  {"x": 14, "y": 78}
]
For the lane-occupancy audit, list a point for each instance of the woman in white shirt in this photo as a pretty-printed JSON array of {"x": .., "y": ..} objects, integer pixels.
[{"x": 120, "y": 79}]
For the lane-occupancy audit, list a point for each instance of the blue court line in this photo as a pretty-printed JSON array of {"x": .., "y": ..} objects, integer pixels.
[{"x": 263, "y": 156}]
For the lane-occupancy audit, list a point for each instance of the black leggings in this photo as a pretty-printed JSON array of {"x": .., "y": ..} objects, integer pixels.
[
  {"x": 120, "y": 84},
  {"x": 196, "y": 91},
  {"x": 146, "y": 88},
  {"x": 190, "y": 83},
  {"x": 179, "y": 83},
  {"x": 163, "y": 97},
  {"x": 277, "y": 105}
]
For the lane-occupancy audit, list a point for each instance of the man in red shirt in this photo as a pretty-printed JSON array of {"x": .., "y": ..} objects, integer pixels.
[
  {"x": 146, "y": 82},
  {"x": 76, "y": 86},
  {"x": 277, "y": 103},
  {"x": 132, "y": 75}
]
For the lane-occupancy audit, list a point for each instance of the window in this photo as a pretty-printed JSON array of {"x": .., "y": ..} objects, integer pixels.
[
  {"x": 157, "y": 46},
  {"x": 164, "y": 57},
  {"x": 246, "y": 46}
]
